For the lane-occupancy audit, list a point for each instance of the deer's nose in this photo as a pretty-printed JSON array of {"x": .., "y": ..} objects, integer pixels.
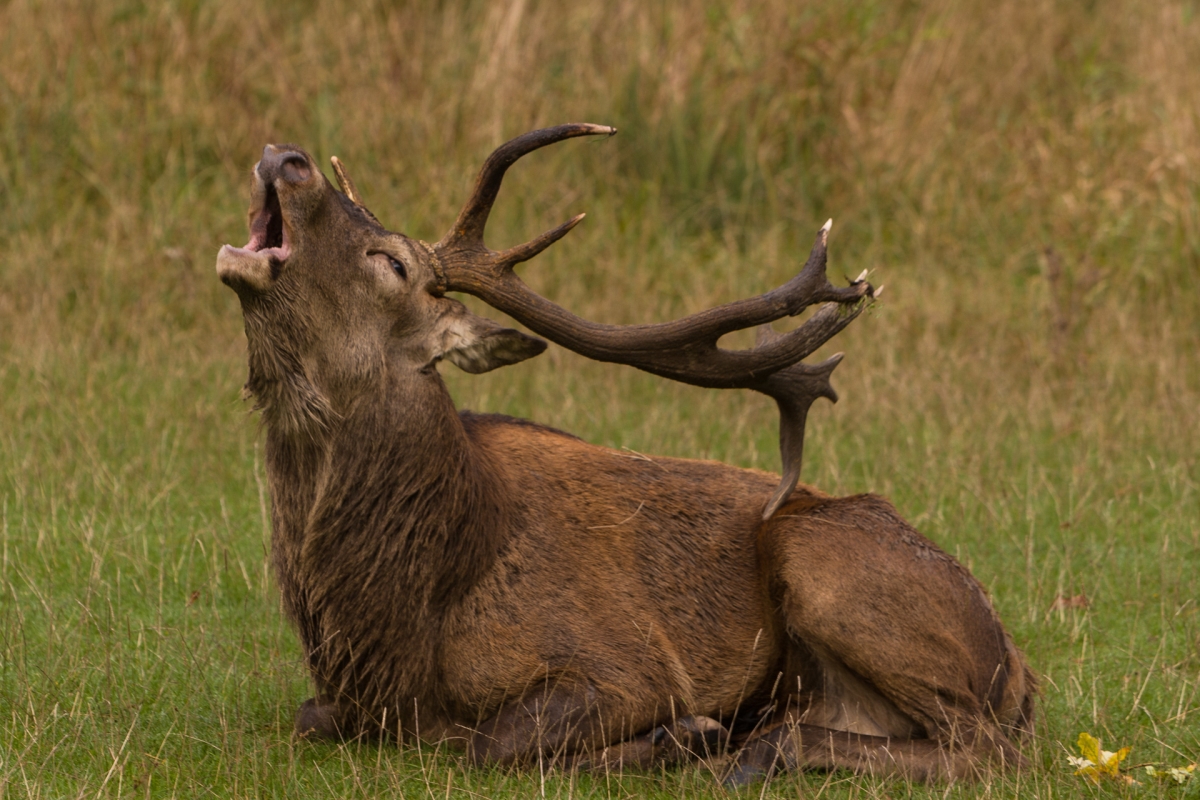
[{"x": 283, "y": 163}]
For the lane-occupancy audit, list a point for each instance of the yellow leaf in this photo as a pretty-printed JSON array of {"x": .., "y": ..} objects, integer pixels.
[{"x": 1097, "y": 763}]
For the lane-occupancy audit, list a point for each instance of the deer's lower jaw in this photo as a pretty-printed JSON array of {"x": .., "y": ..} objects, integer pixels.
[{"x": 242, "y": 267}]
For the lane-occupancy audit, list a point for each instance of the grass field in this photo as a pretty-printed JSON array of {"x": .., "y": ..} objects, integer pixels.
[{"x": 1023, "y": 176}]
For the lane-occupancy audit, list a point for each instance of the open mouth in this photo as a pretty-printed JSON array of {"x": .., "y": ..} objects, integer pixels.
[
  {"x": 267, "y": 234},
  {"x": 257, "y": 265}
]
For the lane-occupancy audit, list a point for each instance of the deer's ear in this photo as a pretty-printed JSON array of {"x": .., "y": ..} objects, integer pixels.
[{"x": 475, "y": 344}]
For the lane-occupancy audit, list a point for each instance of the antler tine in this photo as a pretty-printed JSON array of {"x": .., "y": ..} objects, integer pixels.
[
  {"x": 347, "y": 186},
  {"x": 794, "y": 390},
  {"x": 464, "y": 242},
  {"x": 344, "y": 182}
]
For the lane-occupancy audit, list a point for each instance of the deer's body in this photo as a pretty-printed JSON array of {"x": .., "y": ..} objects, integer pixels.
[{"x": 507, "y": 587}]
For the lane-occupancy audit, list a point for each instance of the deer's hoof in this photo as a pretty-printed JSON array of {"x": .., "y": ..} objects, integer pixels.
[
  {"x": 743, "y": 776},
  {"x": 703, "y": 737},
  {"x": 318, "y": 718}
]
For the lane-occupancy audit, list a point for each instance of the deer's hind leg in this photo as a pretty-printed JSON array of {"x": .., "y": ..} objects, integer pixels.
[
  {"x": 789, "y": 746},
  {"x": 902, "y": 666}
]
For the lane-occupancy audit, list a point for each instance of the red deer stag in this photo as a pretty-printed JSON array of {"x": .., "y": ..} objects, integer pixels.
[{"x": 520, "y": 594}]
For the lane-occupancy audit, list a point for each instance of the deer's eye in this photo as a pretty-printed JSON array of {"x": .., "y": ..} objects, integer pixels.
[{"x": 398, "y": 267}]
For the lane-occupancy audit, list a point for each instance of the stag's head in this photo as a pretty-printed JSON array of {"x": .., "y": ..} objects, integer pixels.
[{"x": 334, "y": 303}]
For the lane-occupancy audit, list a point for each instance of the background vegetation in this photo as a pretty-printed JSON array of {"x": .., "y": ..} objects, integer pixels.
[{"x": 1023, "y": 176}]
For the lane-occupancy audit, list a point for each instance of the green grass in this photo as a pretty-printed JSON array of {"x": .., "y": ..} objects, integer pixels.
[{"x": 1025, "y": 178}]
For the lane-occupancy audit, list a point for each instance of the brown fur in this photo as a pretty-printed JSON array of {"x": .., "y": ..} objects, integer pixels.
[{"x": 512, "y": 589}]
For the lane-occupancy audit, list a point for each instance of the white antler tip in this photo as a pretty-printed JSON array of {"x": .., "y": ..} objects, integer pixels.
[
  {"x": 862, "y": 276},
  {"x": 878, "y": 292},
  {"x": 828, "y": 224}
]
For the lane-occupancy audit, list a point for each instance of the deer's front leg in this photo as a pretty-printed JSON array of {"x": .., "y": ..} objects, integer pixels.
[
  {"x": 555, "y": 719},
  {"x": 684, "y": 740}
]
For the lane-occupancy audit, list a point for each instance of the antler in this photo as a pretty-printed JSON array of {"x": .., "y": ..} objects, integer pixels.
[{"x": 684, "y": 350}]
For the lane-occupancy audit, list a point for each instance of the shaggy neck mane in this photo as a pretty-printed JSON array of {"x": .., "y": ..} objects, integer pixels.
[
  {"x": 379, "y": 527},
  {"x": 279, "y": 382}
]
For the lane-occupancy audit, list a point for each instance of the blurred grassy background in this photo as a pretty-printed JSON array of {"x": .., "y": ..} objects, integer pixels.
[{"x": 1023, "y": 176}]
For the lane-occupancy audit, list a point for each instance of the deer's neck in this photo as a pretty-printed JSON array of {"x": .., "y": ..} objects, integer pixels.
[{"x": 380, "y": 526}]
